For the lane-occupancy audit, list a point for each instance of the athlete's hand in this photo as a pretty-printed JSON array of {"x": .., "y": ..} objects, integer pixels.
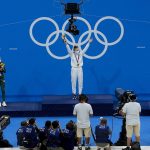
[
  {"x": 63, "y": 36},
  {"x": 64, "y": 39}
]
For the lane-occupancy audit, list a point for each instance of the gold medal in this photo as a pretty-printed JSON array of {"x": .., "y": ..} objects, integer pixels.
[{"x": 77, "y": 64}]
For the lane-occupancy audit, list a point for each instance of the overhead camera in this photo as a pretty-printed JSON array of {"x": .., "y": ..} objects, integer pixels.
[
  {"x": 72, "y": 28},
  {"x": 72, "y": 9}
]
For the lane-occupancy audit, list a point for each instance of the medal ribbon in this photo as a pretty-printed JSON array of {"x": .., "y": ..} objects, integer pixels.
[{"x": 77, "y": 58}]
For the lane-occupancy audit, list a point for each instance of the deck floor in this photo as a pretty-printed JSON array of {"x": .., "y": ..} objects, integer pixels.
[{"x": 92, "y": 148}]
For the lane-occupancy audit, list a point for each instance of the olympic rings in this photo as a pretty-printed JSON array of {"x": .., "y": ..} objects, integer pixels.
[
  {"x": 103, "y": 51},
  {"x": 80, "y": 42},
  {"x": 111, "y": 18},
  {"x": 47, "y": 44},
  {"x": 38, "y": 20}
]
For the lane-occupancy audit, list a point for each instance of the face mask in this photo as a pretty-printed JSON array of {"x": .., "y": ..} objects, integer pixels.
[{"x": 77, "y": 51}]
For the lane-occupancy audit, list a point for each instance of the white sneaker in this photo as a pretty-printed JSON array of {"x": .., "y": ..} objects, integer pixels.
[{"x": 4, "y": 104}]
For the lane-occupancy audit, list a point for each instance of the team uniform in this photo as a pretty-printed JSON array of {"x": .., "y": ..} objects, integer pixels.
[
  {"x": 31, "y": 137},
  {"x": 76, "y": 68},
  {"x": 2, "y": 82},
  {"x": 102, "y": 133},
  {"x": 54, "y": 139},
  {"x": 68, "y": 139},
  {"x": 20, "y": 136},
  {"x": 43, "y": 133},
  {"x": 43, "y": 137}
]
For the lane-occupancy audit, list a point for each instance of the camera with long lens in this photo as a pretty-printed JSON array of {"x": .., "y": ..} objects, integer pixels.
[
  {"x": 4, "y": 122},
  {"x": 123, "y": 96}
]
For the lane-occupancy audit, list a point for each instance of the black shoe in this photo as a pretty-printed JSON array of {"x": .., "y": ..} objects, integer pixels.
[
  {"x": 127, "y": 148},
  {"x": 79, "y": 147},
  {"x": 87, "y": 148},
  {"x": 74, "y": 97},
  {"x": 77, "y": 97},
  {"x": 135, "y": 145}
]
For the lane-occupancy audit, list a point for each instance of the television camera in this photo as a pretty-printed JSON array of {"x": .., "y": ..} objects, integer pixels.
[
  {"x": 123, "y": 96},
  {"x": 72, "y": 9}
]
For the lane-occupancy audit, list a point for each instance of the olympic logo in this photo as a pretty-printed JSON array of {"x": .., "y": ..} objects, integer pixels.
[{"x": 80, "y": 42}]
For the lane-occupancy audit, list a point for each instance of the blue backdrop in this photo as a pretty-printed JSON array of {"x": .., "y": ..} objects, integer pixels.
[{"x": 32, "y": 71}]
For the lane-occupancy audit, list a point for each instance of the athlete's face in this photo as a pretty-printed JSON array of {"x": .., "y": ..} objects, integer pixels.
[{"x": 76, "y": 49}]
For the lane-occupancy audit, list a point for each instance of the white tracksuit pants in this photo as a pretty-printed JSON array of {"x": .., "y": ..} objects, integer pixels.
[{"x": 77, "y": 74}]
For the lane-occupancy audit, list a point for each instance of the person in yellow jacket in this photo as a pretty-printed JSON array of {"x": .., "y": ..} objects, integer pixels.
[{"x": 2, "y": 83}]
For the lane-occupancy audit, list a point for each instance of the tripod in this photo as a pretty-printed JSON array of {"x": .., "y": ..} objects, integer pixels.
[{"x": 122, "y": 141}]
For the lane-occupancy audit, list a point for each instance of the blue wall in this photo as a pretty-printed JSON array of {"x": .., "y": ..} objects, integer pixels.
[{"x": 31, "y": 71}]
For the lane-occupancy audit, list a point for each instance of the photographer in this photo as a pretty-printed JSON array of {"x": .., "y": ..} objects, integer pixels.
[
  {"x": 102, "y": 132},
  {"x": 31, "y": 135},
  {"x": 20, "y": 134},
  {"x": 83, "y": 111},
  {"x": 2, "y": 83},
  {"x": 69, "y": 136},
  {"x": 54, "y": 137},
  {"x": 131, "y": 111},
  {"x": 4, "y": 142},
  {"x": 43, "y": 135}
]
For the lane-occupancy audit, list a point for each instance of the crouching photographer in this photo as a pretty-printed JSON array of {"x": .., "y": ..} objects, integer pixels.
[
  {"x": 43, "y": 135},
  {"x": 102, "y": 132},
  {"x": 31, "y": 140},
  {"x": 69, "y": 139},
  {"x": 20, "y": 134},
  {"x": 4, "y": 142},
  {"x": 54, "y": 137},
  {"x": 131, "y": 111}
]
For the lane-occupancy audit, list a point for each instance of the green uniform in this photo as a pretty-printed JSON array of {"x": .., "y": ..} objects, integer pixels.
[{"x": 2, "y": 80}]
